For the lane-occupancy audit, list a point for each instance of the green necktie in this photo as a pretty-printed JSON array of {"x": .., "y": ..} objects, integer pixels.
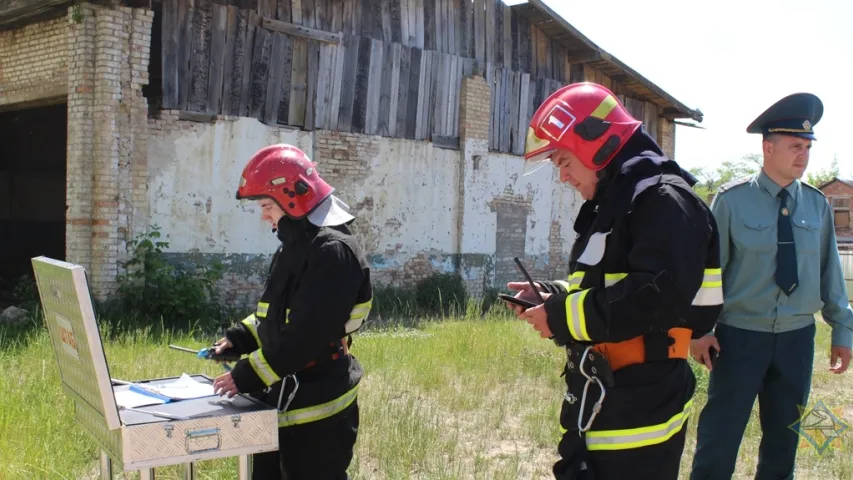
[{"x": 786, "y": 253}]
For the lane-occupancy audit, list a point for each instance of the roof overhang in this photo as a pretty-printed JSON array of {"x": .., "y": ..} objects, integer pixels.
[
  {"x": 17, "y": 13},
  {"x": 582, "y": 50}
]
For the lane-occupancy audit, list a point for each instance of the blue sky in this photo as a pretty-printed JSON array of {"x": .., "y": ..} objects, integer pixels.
[{"x": 733, "y": 61}]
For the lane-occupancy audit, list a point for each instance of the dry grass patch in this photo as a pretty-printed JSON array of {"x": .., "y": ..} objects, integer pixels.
[{"x": 473, "y": 399}]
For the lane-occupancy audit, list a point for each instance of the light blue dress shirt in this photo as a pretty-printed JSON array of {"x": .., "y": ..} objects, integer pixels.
[{"x": 746, "y": 212}]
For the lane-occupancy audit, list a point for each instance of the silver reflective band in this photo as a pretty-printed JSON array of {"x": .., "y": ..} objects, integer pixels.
[
  {"x": 638, "y": 437},
  {"x": 318, "y": 412},
  {"x": 576, "y": 317},
  {"x": 357, "y": 316},
  {"x": 262, "y": 368},
  {"x": 711, "y": 291}
]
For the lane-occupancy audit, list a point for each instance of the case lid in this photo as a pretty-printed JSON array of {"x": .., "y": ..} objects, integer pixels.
[{"x": 70, "y": 317}]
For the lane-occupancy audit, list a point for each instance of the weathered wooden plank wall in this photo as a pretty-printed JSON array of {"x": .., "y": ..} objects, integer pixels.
[{"x": 380, "y": 67}]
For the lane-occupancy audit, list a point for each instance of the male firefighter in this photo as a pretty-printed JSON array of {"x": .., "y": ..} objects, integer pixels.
[
  {"x": 317, "y": 293},
  {"x": 780, "y": 266},
  {"x": 644, "y": 279}
]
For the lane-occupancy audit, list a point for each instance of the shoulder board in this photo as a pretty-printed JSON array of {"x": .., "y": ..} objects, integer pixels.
[
  {"x": 812, "y": 187},
  {"x": 732, "y": 184}
]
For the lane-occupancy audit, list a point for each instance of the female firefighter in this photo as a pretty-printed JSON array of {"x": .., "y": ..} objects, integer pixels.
[
  {"x": 317, "y": 293},
  {"x": 644, "y": 279}
]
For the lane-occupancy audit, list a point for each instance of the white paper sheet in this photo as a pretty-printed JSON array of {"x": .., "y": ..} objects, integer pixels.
[
  {"x": 131, "y": 399},
  {"x": 183, "y": 388}
]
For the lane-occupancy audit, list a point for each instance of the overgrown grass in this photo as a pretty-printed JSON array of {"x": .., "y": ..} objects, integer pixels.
[{"x": 471, "y": 397}]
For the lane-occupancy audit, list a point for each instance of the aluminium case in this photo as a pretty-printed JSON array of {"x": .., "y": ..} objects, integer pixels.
[{"x": 136, "y": 440}]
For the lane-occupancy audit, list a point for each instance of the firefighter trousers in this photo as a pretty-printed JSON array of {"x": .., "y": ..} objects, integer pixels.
[
  {"x": 320, "y": 450},
  {"x": 653, "y": 462},
  {"x": 639, "y": 432}
]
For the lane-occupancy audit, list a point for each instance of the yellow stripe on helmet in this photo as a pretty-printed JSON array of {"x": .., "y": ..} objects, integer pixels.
[{"x": 605, "y": 107}]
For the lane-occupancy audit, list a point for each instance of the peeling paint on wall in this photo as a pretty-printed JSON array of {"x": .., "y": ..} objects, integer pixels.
[
  {"x": 409, "y": 199},
  {"x": 194, "y": 170}
]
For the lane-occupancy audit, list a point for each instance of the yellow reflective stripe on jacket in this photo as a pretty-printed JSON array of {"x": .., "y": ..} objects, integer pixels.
[
  {"x": 638, "y": 437},
  {"x": 711, "y": 291},
  {"x": 566, "y": 285},
  {"x": 251, "y": 324},
  {"x": 262, "y": 368},
  {"x": 287, "y": 316},
  {"x": 611, "y": 279},
  {"x": 575, "y": 280},
  {"x": 575, "y": 316},
  {"x": 358, "y": 315},
  {"x": 261, "y": 312},
  {"x": 317, "y": 412}
]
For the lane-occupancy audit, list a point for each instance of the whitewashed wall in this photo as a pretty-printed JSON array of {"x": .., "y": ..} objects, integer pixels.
[{"x": 408, "y": 195}]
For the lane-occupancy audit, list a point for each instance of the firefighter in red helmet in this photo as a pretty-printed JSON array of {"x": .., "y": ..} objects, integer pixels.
[
  {"x": 317, "y": 293},
  {"x": 644, "y": 279}
]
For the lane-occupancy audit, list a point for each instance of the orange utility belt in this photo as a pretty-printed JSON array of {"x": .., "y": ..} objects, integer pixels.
[
  {"x": 339, "y": 349},
  {"x": 647, "y": 348}
]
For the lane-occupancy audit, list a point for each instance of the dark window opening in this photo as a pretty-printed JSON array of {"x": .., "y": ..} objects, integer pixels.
[{"x": 32, "y": 191}]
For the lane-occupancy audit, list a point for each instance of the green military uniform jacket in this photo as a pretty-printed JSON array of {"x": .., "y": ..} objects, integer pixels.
[{"x": 746, "y": 212}]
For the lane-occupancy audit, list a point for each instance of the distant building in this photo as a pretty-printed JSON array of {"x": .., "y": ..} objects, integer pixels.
[{"x": 839, "y": 191}]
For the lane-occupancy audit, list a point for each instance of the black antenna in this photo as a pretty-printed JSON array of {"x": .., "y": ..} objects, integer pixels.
[
  {"x": 529, "y": 279},
  {"x": 533, "y": 286}
]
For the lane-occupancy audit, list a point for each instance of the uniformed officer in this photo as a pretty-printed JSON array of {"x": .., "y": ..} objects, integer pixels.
[
  {"x": 644, "y": 279},
  {"x": 317, "y": 294},
  {"x": 780, "y": 266}
]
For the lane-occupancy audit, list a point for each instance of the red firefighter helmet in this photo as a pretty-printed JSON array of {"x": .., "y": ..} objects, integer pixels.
[
  {"x": 285, "y": 174},
  {"x": 584, "y": 118}
]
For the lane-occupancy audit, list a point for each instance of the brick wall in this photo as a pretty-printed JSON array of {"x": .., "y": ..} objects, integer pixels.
[
  {"x": 343, "y": 160},
  {"x": 344, "y": 157},
  {"x": 474, "y": 115},
  {"x": 80, "y": 146},
  {"x": 511, "y": 235},
  {"x": 558, "y": 260},
  {"x": 96, "y": 59},
  {"x": 666, "y": 136},
  {"x": 107, "y": 67},
  {"x": 838, "y": 189},
  {"x": 34, "y": 62},
  {"x": 842, "y": 218}
]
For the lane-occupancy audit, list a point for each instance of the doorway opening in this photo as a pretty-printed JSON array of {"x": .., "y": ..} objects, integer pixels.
[{"x": 32, "y": 192}]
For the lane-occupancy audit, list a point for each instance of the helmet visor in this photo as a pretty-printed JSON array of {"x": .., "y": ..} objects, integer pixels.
[
  {"x": 538, "y": 152},
  {"x": 535, "y": 162}
]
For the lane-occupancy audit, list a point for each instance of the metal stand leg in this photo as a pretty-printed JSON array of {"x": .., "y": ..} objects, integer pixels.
[
  {"x": 189, "y": 471},
  {"x": 146, "y": 474},
  {"x": 244, "y": 467},
  {"x": 106, "y": 466}
]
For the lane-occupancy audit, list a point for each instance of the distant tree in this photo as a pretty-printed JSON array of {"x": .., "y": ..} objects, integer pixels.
[
  {"x": 822, "y": 176},
  {"x": 710, "y": 180}
]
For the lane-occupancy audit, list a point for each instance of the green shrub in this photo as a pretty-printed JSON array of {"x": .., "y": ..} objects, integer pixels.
[
  {"x": 152, "y": 288},
  {"x": 441, "y": 294}
]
